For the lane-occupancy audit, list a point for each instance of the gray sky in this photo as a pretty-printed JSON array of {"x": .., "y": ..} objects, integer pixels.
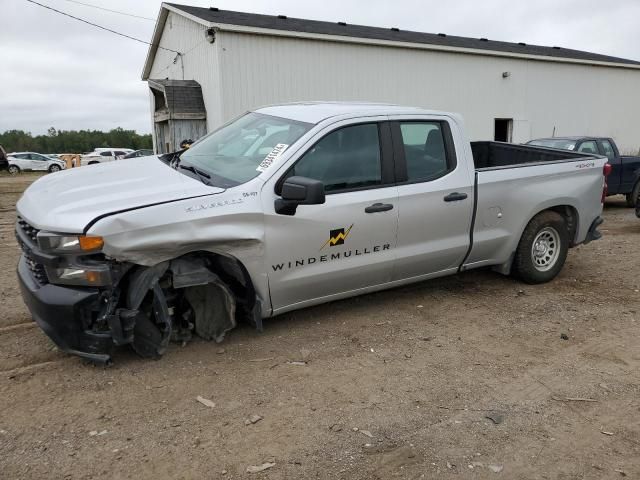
[{"x": 55, "y": 71}]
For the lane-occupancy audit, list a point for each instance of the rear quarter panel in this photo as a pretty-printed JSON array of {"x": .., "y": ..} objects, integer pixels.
[{"x": 508, "y": 198}]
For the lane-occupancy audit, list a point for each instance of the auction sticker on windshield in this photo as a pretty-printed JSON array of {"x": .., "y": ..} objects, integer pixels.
[{"x": 272, "y": 156}]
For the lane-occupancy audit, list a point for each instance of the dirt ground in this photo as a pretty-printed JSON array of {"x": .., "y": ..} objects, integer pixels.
[{"x": 398, "y": 384}]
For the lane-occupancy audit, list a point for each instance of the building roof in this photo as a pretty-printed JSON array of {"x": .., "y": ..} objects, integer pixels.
[{"x": 342, "y": 29}]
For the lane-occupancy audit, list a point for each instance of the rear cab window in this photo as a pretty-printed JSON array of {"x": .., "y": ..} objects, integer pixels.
[
  {"x": 608, "y": 150},
  {"x": 590, "y": 147}
]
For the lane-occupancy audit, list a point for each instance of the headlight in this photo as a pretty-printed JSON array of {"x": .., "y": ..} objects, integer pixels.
[
  {"x": 80, "y": 275},
  {"x": 69, "y": 243}
]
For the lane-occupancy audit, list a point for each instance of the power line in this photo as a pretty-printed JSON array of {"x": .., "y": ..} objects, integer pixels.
[
  {"x": 99, "y": 26},
  {"x": 112, "y": 11},
  {"x": 181, "y": 56}
]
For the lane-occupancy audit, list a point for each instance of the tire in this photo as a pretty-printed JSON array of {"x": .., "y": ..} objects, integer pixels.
[
  {"x": 632, "y": 198},
  {"x": 54, "y": 168},
  {"x": 13, "y": 169},
  {"x": 93, "y": 163},
  {"x": 543, "y": 248}
]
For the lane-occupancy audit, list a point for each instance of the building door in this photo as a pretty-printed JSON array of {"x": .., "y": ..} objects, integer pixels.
[
  {"x": 503, "y": 130},
  {"x": 160, "y": 146}
]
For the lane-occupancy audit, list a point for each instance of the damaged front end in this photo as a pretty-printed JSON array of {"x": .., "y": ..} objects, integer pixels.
[{"x": 88, "y": 304}]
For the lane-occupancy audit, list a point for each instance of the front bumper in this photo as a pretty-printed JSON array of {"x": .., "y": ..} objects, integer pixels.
[{"x": 65, "y": 314}]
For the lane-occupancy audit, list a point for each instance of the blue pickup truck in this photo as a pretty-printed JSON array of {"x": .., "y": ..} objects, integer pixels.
[{"x": 625, "y": 174}]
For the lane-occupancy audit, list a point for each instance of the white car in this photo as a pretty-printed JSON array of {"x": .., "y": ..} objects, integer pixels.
[
  {"x": 102, "y": 155},
  {"x": 26, "y": 161}
]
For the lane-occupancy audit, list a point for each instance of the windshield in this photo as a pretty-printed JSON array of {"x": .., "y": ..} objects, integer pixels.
[
  {"x": 561, "y": 143},
  {"x": 243, "y": 149}
]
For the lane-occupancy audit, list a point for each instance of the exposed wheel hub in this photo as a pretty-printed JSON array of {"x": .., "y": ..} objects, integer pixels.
[{"x": 545, "y": 249}]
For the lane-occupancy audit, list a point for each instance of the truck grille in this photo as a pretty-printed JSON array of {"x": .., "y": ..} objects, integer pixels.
[
  {"x": 37, "y": 269},
  {"x": 28, "y": 230}
]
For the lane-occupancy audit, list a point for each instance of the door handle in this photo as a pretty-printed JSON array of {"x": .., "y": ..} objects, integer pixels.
[
  {"x": 455, "y": 197},
  {"x": 378, "y": 207}
]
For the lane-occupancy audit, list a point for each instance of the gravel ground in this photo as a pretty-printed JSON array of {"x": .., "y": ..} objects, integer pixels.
[{"x": 398, "y": 384}]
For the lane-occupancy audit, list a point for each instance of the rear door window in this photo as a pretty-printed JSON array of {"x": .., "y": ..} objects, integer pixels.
[{"x": 424, "y": 150}]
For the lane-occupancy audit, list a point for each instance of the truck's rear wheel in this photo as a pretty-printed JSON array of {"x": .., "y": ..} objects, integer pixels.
[
  {"x": 632, "y": 198},
  {"x": 543, "y": 248}
]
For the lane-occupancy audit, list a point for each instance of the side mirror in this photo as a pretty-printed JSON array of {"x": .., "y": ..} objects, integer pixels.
[{"x": 299, "y": 191}]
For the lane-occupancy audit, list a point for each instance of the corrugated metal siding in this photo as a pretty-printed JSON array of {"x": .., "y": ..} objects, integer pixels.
[
  {"x": 188, "y": 129},
  {"x": 200, "y": 62},
  {"x": 576, "y": 99}
]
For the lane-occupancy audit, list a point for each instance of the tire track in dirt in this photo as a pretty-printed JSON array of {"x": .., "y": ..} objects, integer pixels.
[
  {"x": 17, "y": 326},
  {"x": 15, "y": 372},
  {"x": 25, "y": 346}
]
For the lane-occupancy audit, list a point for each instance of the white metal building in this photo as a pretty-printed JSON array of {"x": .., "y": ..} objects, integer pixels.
[{"x": 506, "y": 91}]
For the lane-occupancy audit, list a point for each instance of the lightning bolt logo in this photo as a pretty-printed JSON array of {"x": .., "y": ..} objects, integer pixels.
[{"x": 337, "y": 237}]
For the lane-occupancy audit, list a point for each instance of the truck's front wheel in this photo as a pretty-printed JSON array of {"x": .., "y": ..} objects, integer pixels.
[{"x": 543, "y": 248}]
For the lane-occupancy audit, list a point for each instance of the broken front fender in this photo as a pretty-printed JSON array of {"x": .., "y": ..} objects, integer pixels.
[{"x": 229, "y": 224}]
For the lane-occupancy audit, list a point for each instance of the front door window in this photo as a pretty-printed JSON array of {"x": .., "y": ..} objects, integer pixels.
[{"x": 346, "y": 159}]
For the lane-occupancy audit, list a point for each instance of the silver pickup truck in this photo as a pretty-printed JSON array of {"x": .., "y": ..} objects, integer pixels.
[{"x": 285, "y": 207}]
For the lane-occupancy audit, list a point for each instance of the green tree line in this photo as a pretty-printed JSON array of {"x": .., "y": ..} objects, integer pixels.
[{"x": 72, "y": 141}]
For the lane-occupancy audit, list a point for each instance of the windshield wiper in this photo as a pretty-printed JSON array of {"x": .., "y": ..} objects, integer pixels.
[{"x": 202, "y": 176}]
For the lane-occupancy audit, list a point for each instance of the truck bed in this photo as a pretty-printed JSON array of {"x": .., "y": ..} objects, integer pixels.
[
  {"x": 514, "y": 182},
  {"x": 500, "y": 155}
]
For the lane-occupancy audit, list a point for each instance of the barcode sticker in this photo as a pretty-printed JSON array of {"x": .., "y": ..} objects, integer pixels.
[{"x": 272, "y": 156}]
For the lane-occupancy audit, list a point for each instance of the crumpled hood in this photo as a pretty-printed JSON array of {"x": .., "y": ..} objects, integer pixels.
[{"x": 67, "y": 201}]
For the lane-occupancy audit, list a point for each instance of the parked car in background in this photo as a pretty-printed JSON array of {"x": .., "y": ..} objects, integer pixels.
[
  {"x": 139, "y": 153},
  {"x": 625, "y": 174},
  {"x": 326, "y": 201},
  {"x": 102, "y": 155},
  {"x": 31, "y": 161}
]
